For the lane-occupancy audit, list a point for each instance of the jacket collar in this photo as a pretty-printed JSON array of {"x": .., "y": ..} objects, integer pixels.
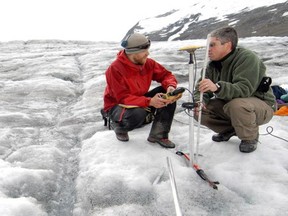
[
  {"x": 218, "y": 64},
  {"x": 122, "y": 57}
]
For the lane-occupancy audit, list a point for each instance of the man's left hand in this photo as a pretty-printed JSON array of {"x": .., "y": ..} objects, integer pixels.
[
  {"x": 206, "y": 85},
  {"x": 170, "y": 89},
  {"x": 173, "y": 99}
]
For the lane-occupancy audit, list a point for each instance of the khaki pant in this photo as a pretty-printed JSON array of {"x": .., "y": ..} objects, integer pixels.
[{"x": 243, "y": 114}]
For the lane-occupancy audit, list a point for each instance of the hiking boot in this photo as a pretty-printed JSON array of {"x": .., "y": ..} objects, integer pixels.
[
  {"x": 225, "y": 136},
  {"x": 123, "y": 136},
  {"x": 247, "y": 146},
  {"x": 166, "y": 143}
]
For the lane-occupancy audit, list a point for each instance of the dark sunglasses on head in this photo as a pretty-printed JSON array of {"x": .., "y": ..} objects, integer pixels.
[{"x": 144, "y": 46}]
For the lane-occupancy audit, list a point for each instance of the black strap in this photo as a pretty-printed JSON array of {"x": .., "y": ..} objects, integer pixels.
[
  {"x": 106, "y": 118},
  {"x": 264, "y": 84}
]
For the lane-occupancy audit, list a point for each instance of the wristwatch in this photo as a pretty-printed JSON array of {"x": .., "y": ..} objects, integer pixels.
[{"x": 218, "y": 87}]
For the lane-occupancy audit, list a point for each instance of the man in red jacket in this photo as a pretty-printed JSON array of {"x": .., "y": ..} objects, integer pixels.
[{"x": 128, "y": 100}]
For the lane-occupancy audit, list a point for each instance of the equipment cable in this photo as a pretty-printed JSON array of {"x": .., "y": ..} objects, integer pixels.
[{"x": 269, "y": 131}]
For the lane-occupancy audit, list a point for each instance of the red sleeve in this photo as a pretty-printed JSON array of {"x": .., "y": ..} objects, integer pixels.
[{"x": 163, "y": 76}]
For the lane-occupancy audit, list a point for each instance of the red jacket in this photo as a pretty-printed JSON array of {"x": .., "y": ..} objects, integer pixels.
[{"x": 127, "y": 82}]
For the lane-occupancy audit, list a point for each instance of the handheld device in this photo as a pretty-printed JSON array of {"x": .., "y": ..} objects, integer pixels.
[{"x": 174, "y": 93}]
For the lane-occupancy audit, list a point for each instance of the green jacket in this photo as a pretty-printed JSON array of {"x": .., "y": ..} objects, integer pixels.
[{"x": 239, "y": 75}]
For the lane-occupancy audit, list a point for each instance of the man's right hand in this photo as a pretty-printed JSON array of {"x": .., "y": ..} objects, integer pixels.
[{"x": 158, "y": 102}]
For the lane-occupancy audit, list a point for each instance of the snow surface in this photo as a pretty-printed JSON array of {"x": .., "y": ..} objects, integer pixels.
[
  {"x": 207, "y": 9},
  {"x": 57, "y": 158}
]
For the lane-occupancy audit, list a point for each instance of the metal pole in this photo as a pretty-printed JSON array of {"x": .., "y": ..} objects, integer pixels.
[
  {"x": 191, "y": 119},
  {"x": 201, "y": 97},
  {"x": 174, "y": 188},
  {"x": 191, "y": 50}
]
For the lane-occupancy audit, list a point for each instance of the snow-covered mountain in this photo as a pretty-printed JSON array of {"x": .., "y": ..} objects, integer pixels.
[{"x": 196, "y": 19}]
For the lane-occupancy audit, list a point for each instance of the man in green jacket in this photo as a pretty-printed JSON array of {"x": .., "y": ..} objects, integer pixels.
[{"x": 237, "y": 96}]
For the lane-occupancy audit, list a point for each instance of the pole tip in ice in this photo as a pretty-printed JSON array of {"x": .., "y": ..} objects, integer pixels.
[{"x": 190, "y": 48}]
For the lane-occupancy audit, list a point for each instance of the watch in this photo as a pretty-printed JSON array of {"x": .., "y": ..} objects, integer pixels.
[{"x": 218, "y": 87}]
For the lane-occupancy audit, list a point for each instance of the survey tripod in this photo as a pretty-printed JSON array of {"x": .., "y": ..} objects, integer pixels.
[{"x": 190, "y": 106}]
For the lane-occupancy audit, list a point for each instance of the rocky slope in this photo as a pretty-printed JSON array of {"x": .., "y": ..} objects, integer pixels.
[{"x": 262, "y": 21}]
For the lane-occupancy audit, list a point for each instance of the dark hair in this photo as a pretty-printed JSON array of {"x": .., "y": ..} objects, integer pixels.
[{"x": 226, "y": 34}]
